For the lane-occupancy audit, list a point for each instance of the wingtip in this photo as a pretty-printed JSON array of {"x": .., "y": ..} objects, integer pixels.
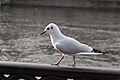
[
  {"x": 105, "y": 52},
  {"x": 99, "y": 51}
]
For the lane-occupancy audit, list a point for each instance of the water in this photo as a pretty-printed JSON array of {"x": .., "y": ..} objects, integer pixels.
[{"x": 20, "y": 39}]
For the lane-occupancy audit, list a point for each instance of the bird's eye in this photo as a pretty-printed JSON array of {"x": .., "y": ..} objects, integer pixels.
[
  {"x": 48, "y": 29},
  {"x": 51, "y": 27}
]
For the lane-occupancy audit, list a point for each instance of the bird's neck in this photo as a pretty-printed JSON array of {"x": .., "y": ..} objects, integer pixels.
[{"x": 57, "y": 35}]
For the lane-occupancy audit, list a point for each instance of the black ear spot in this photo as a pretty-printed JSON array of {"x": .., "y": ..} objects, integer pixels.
[
  {"x": 51, "y": 27},
  {"x": 48, "y": 29}
]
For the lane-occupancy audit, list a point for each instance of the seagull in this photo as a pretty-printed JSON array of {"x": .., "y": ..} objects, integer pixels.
[{"x": 67, "y": 45}]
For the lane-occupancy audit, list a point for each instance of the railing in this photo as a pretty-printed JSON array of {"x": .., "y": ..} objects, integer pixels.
[{"x": 33, "y": 71}]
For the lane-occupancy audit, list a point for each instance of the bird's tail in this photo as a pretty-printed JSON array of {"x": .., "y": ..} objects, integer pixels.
[{"x": 98, "y": 51}]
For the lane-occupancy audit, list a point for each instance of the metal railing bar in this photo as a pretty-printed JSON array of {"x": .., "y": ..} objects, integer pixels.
[{"x": 64, "y": 72}]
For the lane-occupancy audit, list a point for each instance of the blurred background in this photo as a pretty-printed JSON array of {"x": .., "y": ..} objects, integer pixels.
[{"x": 21, "y": 25}]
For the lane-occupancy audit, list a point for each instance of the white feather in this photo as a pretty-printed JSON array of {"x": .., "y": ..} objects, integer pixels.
[{"x": 88, "y": 53}]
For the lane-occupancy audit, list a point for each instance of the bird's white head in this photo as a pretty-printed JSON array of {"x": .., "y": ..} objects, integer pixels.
[{"x": 51, "y": 29}]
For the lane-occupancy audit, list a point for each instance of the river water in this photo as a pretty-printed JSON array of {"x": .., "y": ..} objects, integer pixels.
[{"x": 20, "y": 39}]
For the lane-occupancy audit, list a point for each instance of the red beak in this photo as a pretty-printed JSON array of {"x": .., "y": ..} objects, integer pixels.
[{"x": 43, "y": 32}]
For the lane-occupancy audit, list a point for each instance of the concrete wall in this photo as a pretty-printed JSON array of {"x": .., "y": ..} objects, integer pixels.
[{"x": 71, "y": 3}]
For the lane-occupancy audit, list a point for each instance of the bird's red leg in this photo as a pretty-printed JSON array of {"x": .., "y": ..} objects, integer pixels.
[
  {"x": 59, "y": 60},
  {"x": 73, "y": 65}
]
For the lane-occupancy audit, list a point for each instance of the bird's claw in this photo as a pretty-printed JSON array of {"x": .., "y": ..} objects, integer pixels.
[
  {"x": 72, "y": 65},
  {"x": 54, "y": 64}
]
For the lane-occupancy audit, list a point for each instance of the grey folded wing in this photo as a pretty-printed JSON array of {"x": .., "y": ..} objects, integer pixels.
[{"x": 67, "y": 48}]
